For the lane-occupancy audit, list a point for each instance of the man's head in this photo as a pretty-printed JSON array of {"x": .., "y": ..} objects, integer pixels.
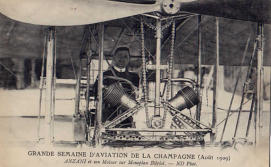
[{"x": 121, "y": 57}]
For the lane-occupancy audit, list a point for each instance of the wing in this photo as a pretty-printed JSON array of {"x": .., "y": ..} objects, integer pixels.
[{"x": 70, "y": 12}]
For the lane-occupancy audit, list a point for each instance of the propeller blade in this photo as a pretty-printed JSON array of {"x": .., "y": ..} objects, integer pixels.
[
  {"x": 71, "y": 12},
  {"x": 137, "y": 1},
  {"x": 249, "y": 10}
]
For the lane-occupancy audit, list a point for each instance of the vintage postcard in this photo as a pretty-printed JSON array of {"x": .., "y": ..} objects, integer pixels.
[{"x": 135, "y": 83}]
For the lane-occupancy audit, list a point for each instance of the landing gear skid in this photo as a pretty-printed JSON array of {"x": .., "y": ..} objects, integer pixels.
[{"x": 148, "y": 144}]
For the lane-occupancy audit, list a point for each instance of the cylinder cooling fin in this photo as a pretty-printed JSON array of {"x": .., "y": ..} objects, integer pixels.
[
  {"x": 115, "y": 96},
  {"x": 185, "y": 98}
]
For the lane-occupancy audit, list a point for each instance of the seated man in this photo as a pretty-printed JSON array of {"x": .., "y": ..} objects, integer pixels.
[{"x": 119, "y": 69}]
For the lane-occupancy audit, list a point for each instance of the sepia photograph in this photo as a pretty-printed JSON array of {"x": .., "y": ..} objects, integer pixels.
[{"x": 135, "y": 83}]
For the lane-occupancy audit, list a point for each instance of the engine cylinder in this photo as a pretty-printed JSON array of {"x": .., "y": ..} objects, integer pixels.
[
  {"x": 185, "y": 98},
  {"x": 116, "y": 96}
]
